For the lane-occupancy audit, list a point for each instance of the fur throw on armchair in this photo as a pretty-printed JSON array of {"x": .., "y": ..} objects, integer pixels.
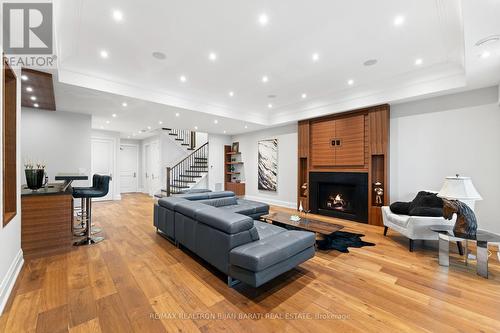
[{"x": 424, "y": 204}]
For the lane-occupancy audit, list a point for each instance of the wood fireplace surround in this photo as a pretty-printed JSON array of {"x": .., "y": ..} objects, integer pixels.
[{"x": 354, "y": 141}]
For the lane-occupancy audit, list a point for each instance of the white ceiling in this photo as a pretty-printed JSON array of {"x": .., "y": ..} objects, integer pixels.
[{"x": 343, "y": 34}]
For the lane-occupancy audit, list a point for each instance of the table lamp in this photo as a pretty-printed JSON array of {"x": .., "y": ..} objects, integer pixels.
[{"x": 455, "y": 191}]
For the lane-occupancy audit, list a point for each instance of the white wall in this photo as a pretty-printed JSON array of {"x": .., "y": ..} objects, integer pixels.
[
  {"x": 115, "y": 136},
  {"x": 11, "y": 255},
  {"x": 287, "y": 164},
  {"x": 442, "y": 136},
  {"x": 61, "y": 139},
  {"x": 216, "y": 145}
]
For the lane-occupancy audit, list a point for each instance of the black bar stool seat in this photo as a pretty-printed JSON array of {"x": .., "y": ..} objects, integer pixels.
[{"x": 99, "y": 189}]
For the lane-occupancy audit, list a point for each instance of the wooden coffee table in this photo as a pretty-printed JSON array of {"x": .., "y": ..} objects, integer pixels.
[{"x": 321, "y": 228}]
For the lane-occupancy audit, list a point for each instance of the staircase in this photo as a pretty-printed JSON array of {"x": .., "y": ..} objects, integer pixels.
[
  {"x": 187, "y": 172},
  {"x": 185, "y": 138}
]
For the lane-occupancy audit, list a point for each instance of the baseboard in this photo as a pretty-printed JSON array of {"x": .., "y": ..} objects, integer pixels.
[
  {"x": 273, "y": 202},
  {"x": 117, "y": 197},
  {"x": 10, "y": 279}
]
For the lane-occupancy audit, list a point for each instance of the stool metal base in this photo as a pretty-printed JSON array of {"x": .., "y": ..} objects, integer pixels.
[{"x": 88, "y": 241}]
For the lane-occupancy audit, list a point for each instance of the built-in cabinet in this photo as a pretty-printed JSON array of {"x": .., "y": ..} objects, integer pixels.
[
  {"x": 338, "y": 142},
  {"x": 355, "y": 141}
]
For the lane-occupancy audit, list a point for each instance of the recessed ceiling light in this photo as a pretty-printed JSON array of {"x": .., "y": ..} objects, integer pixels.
[
  {"x": 107, "y": 122},
  {"x": 216, "y": 121},
  {"x": 263, "y": 19},
  {"x": 370, "y": 62},
  {"x": 124, "y": 104},
  {"x": 113, "y": 115},
  {"x": 419, "y": 62},
  {"x": 196, "y": 127},
  {"x": 29, "y": 89},
  {"x": 149, "y": 127},
  {"x": 33, "y": 98},
  {"x": 224, "y": 131},
  {"x": 159, "y": 55},
  {"x": 315, "y": 57},
  {"x": 24, "y": 77},
  {"x": 350, "y": 82},
  {"x": 177, "y": 114},
  {"x": 231, "y": 93},
  {"x": 246, "y": 126},
  {"x": 182, "y": 78},
  {"x": 128, "y": 136},
  {"x": 485, "y": 54},
  {"x": 212, "y": 56},
  {"x": 399, "y": 20},
  {"x": 104, "y": 54},
  {"x": 303, "y": 95},
  {"x": 265, "y": 79},
  {"x": 117, "y": 15},
  {"x": 160, "y": 122},
  {"x": 270, "y": 106},
  {"x": 133, "y": 134},
  {"x": 36, "y": 105}
]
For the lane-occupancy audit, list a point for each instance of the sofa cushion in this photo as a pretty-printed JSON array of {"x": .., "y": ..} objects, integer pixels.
[
  {"x": 228, "y": 222},
  {"x": 400, "y": 207},
  {"x": 170, "y": 202},
  {"x": 220, "y": 194},
  {"x": 267, "y": 229},
  {"x": 260, "y": 207},
  {"x": 190, "y": 208},
  {"x": 257, "y": 256},
  {"x": 400, "y": 220},
  {"x": 219, "y": 202},
  {"x": 194, "y": 196}
]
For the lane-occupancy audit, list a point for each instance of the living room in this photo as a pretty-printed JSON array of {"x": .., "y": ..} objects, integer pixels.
[{"x": 233, "y": 166}]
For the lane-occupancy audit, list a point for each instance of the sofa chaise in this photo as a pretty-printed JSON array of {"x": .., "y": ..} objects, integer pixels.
[{"x": 222, "y": 230}]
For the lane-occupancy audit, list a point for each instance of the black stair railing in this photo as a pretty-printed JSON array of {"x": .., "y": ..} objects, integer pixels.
[
  {"x": 184, "y": 173},
  {"x": 184, "y": 137}
]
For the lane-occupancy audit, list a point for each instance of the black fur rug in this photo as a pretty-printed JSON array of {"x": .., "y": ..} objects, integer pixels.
[{"x": 341, "y": 240}]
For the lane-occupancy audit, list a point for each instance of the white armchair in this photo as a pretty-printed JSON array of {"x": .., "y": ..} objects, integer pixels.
[{"x": 414, "y": 227}]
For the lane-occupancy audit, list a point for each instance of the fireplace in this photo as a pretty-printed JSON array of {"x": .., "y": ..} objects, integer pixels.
[{"x": 339, "y": 194}]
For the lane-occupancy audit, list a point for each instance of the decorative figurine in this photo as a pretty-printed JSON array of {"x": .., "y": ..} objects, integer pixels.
[
  {"x": 304, "y": 189},
  {"x": 379, "y": 192},
  {"x": 466, "y": 224}
]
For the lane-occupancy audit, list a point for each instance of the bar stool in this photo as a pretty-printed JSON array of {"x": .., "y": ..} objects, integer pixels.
[{"x": 99, "y": 189}]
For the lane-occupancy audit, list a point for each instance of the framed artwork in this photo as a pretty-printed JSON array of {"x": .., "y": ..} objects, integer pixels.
[
  {"x": 236, "y": 147},
  {"x": 268, "y": 165}
]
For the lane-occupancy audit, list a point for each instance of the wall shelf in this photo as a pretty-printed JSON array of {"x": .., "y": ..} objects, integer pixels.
[{"x": 232, "y": 171}]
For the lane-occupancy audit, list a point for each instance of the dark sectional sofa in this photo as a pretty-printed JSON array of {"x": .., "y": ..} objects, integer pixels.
[{"x": 223, "y": 231}]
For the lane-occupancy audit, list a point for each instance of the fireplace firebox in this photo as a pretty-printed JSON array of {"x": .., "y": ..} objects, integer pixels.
[{"x": 339, "y": 194}]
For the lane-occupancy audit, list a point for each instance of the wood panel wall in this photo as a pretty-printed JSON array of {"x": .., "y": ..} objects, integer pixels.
[
  {"x": 9, "y": 142},
  {"x": 372, "y": 158}
]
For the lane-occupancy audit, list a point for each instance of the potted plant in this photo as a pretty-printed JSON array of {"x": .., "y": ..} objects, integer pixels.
[{"x": 35, "y": 174}]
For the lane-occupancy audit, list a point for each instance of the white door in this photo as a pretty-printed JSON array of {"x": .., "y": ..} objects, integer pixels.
[
  {"x": 103, "y": 158},
  {"x": 152, "y": 167},
  {"x": 128, "y": 168}
]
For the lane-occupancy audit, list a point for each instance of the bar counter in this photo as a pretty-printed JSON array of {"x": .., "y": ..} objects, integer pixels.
[{"x": 47, "y": 219}]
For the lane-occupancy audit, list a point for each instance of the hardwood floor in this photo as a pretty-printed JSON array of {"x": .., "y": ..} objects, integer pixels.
[{"x": 136, "y": 281}]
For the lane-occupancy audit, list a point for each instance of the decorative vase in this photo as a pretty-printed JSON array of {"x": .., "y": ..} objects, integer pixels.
[
  {"x": 301, "y": 208},
  {"x": 34, "y": 178}
]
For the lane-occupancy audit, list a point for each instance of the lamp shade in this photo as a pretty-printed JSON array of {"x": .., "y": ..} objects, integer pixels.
[{"x": 459, "y": 188}]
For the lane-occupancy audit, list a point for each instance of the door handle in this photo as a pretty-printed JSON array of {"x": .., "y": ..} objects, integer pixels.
[
  {"x": 338, "y": 142},
  {"x": 135, "y": 175},
  {"x": 333, "y": 142},
  {"x": 146, "y": 175}
]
